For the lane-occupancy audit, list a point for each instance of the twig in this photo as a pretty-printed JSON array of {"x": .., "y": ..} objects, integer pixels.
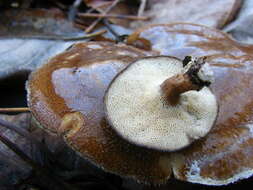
[
  {"x": 92, "y": 26},
  {"x": 60, "y": 38},
  {"x": 80, "y": 21},
  {"x": 142, "y": 7},
  {"x": 39, "y": 169},
  {"x": 73, "y": 9},
  {"x": 80, "y": 26},
  {"x": 118, "y": 38},
  {"x": 26, "y": 4},
  {"x": 8, "y": 110},
  {"x": 58, "y": 4},
  {"x": 128, "y": 17},
  {"x": 108, "y": 26}
]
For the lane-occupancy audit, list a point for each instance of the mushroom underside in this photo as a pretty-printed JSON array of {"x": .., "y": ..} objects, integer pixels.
[{"x": 136, "y": 110}]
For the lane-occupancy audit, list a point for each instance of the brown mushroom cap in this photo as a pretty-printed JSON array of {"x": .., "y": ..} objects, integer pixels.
[
  {"x": 225, "y": 154},
  {"x": 136, "y": 110},
  {"x": 66, "y": 98},
  {"x": 56, "y": 87},
  {"x": 222, "y": 157}
]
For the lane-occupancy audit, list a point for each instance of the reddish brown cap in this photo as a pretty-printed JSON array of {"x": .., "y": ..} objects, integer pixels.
[{"x": 66, "y": 97}]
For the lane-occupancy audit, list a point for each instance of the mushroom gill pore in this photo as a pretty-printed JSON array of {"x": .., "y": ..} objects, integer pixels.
[{"x": 136, "y": 110}]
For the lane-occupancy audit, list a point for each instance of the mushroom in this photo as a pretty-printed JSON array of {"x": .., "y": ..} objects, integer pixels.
[
  {"x": 157, "y": 103},
  {"x": 66, "y": 97}
]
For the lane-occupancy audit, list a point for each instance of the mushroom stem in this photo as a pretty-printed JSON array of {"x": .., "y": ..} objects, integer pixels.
[
  {"x": 194, "y": 77},
  {"x": 176, "y": 85}
]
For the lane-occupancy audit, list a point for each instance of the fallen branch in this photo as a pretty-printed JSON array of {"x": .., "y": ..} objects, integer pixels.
[
  {"x": 142, "y": 7},
  {"x": 128, "y": 17},
  {"x": 10, "y": 110},
  {"x": 60, "y": 38},
  {"x": 92, "y": 26},
  {"x": 118, "y": 38},
  {"x": 73, "y": 9}
]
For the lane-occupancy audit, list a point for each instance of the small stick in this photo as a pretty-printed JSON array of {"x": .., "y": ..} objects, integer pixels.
[
  {"x": 80, "y": 26},
  {"x": 118, "y": 38},
  {"x": 7, "y": 110},
  {"x": 92, "y": 26},
  {"x": 128, "y": 17},
  {"x": 60, "y": 38},
  {"x": 26, "y": 4},
  {"x": 142, "y": 7},
  {"x": 73, "y": 9},
  {"x": 58, "y": 4}
]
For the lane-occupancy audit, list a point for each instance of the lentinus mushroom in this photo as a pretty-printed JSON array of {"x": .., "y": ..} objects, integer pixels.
[
  {"x": 157, "y": 103},
  {"x": 66, "y": 96}
]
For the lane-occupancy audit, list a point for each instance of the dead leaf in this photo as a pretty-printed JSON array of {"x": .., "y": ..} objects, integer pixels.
[
  {"x": 206, "y": 12},
  {"x": 21, "y": 23},
  {"x": 22, "y": 56},
  {"x": 19, "y": 55},
  {"x": 14, "y": 171},
  {"x": 241, "y": 28},
  {"x": 12, "y": 168}
]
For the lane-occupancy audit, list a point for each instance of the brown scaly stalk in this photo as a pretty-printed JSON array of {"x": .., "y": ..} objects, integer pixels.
[{"x": 183, "y": 82}]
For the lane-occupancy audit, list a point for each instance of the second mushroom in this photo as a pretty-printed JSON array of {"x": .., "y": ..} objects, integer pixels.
[{"x": 161, "y": 102}]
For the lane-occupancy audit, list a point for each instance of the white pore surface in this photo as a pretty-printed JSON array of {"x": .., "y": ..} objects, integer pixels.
[{"x": 136, "y": 111}]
